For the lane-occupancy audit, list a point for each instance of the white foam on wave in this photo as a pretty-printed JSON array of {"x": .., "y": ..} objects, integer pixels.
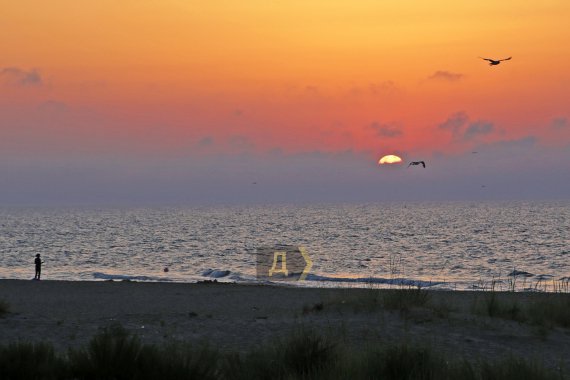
[
  {"x": 105, "y": 276},
  {"x": 375, "y": 280},
  {"x": 225, "y": 274},
  {"x": 216, "y": 273}
]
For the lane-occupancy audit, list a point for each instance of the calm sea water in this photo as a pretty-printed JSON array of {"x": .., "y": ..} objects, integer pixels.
[{"x": 449, "y": 245}]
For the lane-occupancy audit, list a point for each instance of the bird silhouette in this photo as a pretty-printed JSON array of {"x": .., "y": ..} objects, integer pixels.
[
  {"x": 494, "y": 62},
  {"x": 417, "y": 163}
]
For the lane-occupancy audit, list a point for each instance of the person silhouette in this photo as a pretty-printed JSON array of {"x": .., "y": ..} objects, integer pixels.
[{"x": 38, "y": 261}]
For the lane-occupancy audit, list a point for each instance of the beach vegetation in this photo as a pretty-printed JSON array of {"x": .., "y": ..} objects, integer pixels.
[
  {"x": 4, "y": 308},
  {"x": 513, "y": 368},
  {"x": 550, "y": 310},
  {"x": 315, "y": 308},
  {"x": 23, "y": 360},
  {"x": 494, "y": 306},
  {"x": 114, "y": 353},
  {"x": 441, "y": 308},
  {"x": 305, "y": 352},
  {"x": 405, "y": 299},
  {"x": 371, "y": 300},
  {"x": 547, "y": 311},
  {"x": 409, "y": 362},
  {"x": 111, "y": 352},
  {"x": 302, "y": 354},
  {"x": 561, "y": 286},
  {"x": 362, "y": 300}
]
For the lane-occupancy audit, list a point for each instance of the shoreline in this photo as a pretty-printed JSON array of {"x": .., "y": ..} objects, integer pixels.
[
  {"x": 241, "y": 316},
  {"x": 510, "y": 285}
]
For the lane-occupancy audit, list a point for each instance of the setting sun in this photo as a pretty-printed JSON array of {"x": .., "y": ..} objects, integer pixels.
[{"x": 390, "y": 159}]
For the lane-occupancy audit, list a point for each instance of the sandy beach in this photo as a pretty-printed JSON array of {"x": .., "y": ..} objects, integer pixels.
[{"x": 239, "y": 317}]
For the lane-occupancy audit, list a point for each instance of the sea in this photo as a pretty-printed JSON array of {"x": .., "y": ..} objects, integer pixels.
[{"x": 522, "y": 245}]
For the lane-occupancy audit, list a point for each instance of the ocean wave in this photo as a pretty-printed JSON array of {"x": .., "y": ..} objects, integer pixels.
[
  {"x": 375, "y": 280},
  {"x": 522, "y": 273},
  {"x": 105, "y": 276},
  {"x": 238, "y": 277},
  {"x": 216, "y": 273}
]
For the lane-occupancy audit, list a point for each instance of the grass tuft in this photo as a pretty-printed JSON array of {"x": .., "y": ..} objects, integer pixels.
[
  {"x": 546, "y": 312},
  {"x": 517, "y": 369},
  {"x": 405, "y": 362},
  {"x": 4, "y": 308},
  {"x": 115, "y": 354},
  {"x": 31, "y": 361},
  {"x": 550, "y": 311},
  {"x": 306, "y": 352},
  {"x": 303, "y": 354},
  {"x": 406, "y": 299},
  {"x": 494, "y": 307},
  {"x": 315, "y": 308}
]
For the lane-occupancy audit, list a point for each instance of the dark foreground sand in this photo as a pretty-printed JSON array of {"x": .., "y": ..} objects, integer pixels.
[{"x": 237, "y": 317}]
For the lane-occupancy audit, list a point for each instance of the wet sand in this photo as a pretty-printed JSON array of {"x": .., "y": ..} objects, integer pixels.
[{"x": 238, "y": 317}]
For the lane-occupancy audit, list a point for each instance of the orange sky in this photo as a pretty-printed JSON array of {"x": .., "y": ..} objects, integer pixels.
[{"x": 166, "y": 75}]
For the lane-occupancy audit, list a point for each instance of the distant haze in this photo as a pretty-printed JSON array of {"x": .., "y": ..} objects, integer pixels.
[{"x": 503, "y": 171}]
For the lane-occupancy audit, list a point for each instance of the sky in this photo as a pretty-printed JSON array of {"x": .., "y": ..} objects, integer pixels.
[{"x": 227, "y": 101}]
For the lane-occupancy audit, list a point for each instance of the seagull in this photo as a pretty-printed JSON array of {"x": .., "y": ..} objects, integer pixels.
[
  {"x": 494, "y": 62},
  {"x": 417, "y": 163}
]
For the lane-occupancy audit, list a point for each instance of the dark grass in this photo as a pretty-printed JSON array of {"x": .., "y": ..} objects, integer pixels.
[
  {"x": 547, "y": 311},
  {"x": 406, "y": 362},
  {"x": 304, "y": 354},
  {"x": 365, "y": 300},
  {"x": 405, "y": 299},
  {"x": 550, "y": 310},
  {"x": 114, "y": 353},
  {"x": 373, "y": 300},
  {"x": 517, "y": 369},
  {"x": 4, "y": 308},
  {"x": 315, "y": 308},
  {"x": 24, "y": 360},
  {"x": 544, "y": 311},
  {"x": 494, "y": 306}
]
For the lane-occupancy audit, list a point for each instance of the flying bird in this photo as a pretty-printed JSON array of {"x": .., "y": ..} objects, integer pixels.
[
  {"x": 417, "y": 163},
  {"x": 494, "y": 62}
]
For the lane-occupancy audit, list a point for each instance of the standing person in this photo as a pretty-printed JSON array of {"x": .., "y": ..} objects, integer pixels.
[{"x": 38, "y": 261}]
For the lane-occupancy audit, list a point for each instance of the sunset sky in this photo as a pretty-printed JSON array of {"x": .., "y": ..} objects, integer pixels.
[{"x": 193, "y": 101}]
